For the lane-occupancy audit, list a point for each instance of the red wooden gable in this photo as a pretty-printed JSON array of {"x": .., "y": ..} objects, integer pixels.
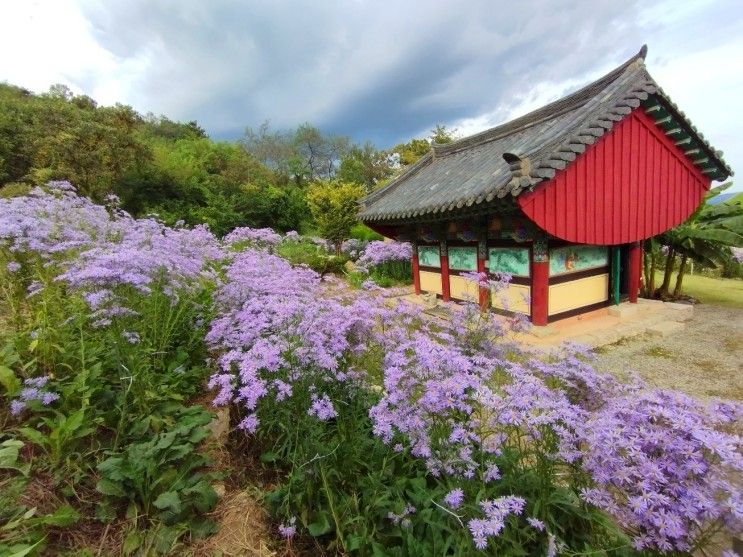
[{"x": 630, "y": 185}]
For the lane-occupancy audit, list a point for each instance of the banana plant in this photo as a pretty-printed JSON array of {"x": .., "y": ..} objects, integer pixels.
[{"x": 706, "y": 238}]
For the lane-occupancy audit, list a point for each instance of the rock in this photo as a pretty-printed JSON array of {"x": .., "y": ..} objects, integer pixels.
[
  {"x": 220, "y": 425},
  {"x": 666, "y": 328}
]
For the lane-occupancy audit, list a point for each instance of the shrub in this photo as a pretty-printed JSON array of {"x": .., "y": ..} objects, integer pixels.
[
  {"x": 387, "y": 263},
  {"x": 107, "y": 315},
  {"x": 471, "y": 443}
]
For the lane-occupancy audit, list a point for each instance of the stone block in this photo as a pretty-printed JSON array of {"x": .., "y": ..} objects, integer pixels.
[
  {"x": 542, "y": 332},
  {"x": 629, "y": 330},
  {"x": 679, "y": 312},
  {"x": 666, "y": 328},
  {"x": 606, "y": 336},
  {"x": 587, "y": 340},
  {"x": 623, "y": 310}
]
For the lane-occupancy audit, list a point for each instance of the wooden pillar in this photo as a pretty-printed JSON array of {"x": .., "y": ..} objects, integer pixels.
[
  {"x": 445, "y": 290},
  {"x": 482, "y": 254},
  {"x": 635, "y": 267},
  {"x": 416, "y": 269},
  {"x": 540, "y": 271}
]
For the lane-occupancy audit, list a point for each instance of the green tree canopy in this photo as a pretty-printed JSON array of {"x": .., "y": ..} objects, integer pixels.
[{"x": 334, "y": 207}]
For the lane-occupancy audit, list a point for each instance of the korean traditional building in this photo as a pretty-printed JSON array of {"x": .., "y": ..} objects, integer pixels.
[{"x": 560, "y": 198}]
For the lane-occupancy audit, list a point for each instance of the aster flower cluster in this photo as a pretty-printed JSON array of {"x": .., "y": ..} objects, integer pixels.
[
  {"x": 664, "y": 466},
  {"x": 255, "y": 237},
  {"x": 475, "y": 410},
  {"x": 459, "y": 397},
  {"x": 353, "y": 248},
  {"x": 276, "y": 329},
  {"x": 378, "y": 252},
  {"x": 34, "y": 389},
  {"x": 103, "y": 253}
]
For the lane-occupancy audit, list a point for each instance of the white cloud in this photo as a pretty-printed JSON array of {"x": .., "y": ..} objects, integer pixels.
[{"x": 372, "y": 69}]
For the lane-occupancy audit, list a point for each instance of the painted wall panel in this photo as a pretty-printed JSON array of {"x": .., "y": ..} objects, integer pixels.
[
  {"x": 514, "y": 298},
  {"x": 431, "y": 282},
  {"x": 630, "y": 185},
  {"x": 462, "y": 289},
  {"x": 578, "y": 293}
]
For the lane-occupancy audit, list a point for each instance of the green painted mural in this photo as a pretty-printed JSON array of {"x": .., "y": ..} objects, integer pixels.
[
  {"x": 463, "y": 258},
  {"x": 514, "y": 261},
  {"x": 428, "y": 256},
  {"x": 570, "y": 259}
]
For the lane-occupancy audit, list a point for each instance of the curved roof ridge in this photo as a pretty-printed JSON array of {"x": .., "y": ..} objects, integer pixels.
[
  {"x": 518, "y": 155},
  {"x": 547, "y": 112}
]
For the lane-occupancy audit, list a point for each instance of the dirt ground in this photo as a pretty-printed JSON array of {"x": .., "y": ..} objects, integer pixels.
[{"x": 705, "y": 360}]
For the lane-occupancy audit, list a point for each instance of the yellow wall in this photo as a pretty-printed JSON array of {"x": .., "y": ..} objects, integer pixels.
[
  {"x": 463, "y": 289},
  {"x": 578, "y": 293},
  {"x": 431, "y": 282},
  {"x": 516, "y": 297}
]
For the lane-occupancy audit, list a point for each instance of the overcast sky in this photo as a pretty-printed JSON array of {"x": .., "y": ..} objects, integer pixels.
[{"x": 384, "y": 71}]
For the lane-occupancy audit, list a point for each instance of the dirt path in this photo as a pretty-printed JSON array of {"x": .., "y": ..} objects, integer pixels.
[{"x": 704, "y": 360}]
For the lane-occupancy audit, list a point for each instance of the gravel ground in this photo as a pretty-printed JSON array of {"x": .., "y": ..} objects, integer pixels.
[{"x": 705, "y": 360}]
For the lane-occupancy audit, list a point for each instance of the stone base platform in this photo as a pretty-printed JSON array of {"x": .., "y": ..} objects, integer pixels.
[{"x": 595, "y": 329}]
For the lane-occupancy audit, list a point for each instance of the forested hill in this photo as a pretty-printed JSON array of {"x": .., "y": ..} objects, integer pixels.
[{"x": 173, "y": 169}]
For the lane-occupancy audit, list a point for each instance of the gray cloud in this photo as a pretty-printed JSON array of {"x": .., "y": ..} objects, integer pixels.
[{"x": 374, "y": 70}]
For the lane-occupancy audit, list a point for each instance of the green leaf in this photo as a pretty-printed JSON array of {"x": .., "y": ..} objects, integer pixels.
[
  {"x": 110, "y": 488},
  {"x": 202, "y": 527},
  {"x": 717, "y": 235},
  {"x": 35, "y": 436},
  {"x": 132, "y": 541},
  {"x": 320, "y": 526},
  {"x": 169, "y": 500},
  {"x": 166, "y": 537},
  {"x": 64, "y": 516},
  {"x": 105, "y": 512},
  {"x": 26, "y": 550},
  {"x": 9, "y": 381},
  {"x": 269, "y": 457},
  {"x": 9, "y": 450}
]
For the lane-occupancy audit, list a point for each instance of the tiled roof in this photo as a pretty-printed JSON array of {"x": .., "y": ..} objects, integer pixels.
[{"x": 515, "y": 156}]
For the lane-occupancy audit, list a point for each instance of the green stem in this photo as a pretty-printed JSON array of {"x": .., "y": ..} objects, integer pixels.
[{"x": 338, "y": 530}]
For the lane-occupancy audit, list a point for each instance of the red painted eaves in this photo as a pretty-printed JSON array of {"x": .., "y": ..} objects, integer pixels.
[{"x": 633, "y": 183}]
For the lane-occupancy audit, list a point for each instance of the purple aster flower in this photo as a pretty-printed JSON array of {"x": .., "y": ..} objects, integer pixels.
[
  {"x": 288, "y": 529},
  {"x": 37, "y": 382},
  {"x": 48, "y": 398},
  {"x": 536, "y": 523},
  {"x": 249, "y": 424},
  {"x": 322, "y": 408},
  {"x": 454, "y": 498},
  {"x": 13, "y": 267},
  {"x": 17, "y": 406},
  {"x": 131, "y": 337}
]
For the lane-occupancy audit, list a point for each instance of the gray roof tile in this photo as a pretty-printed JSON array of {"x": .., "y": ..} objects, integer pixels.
[{"x": 517, "y": 155}]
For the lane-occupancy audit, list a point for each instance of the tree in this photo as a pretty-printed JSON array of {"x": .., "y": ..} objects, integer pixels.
[
  {"x": 304, "y": 155},
  {"x": 334, "y": 207},
  {"x": 414, "y": 149},
  {"x": 365, "y": 165},
  {"x": 705, "y": 238},
  {"x": 441, "y": 135}
]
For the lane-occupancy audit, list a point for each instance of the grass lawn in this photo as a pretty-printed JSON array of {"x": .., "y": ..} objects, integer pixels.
[{"x": 724, "y": 292}]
